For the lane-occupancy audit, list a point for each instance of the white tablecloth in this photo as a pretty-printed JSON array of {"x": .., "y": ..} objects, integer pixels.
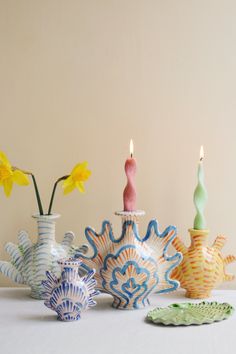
[{"x": 28, "y": 327}]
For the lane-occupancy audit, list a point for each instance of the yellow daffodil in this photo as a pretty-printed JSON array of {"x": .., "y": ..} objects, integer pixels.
[
  {"x": 76, "y": 179},
  {"x": 9, "y": 175}
]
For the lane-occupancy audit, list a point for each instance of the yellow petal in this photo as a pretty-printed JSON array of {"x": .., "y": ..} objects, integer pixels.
[
  {"x": 80, "y": 186},
  {"x": 67, "y": 182},
  {"x": 80, "y": 167},
  {"x": 80, "y": 172},
  {"x": 7, "y": 185},
  {"x": 69, "y": 188},
  {"x": 87, "y": 174},
  {"x": 4, "y": 159},
  {"x": 75, "y": 169},
  {"x": 20, "y": 178},
  {"x": 68, "y": 185}
]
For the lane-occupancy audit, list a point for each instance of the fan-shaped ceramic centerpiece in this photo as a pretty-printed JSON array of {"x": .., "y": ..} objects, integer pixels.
[{"x": 131, "y": 267}]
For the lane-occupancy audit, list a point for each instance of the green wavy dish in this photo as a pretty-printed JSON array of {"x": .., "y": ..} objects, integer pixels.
[{"x": 191, "y": 313}]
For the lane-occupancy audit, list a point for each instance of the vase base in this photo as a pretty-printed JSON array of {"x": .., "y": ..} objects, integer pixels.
[
  {"x": 68, "y": 319},
  {"x": 36, "y": 295},
  {"x": 132, "y": 306},
  {"x": 197, "y": 295}
]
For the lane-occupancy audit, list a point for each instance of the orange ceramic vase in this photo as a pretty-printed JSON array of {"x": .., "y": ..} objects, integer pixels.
[{"x": 202, "y": 267}]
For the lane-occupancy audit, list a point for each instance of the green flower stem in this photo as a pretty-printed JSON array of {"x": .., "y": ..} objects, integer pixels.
[
  {"x": 35, "y": 188},
  {"x": 53, "y": 192},
  {"x": 37, "y": 195}
]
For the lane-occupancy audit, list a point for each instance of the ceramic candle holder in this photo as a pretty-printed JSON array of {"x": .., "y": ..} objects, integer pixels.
[
  {"x": 202, "y": 267},
  {"x": 131, "y": 267},
  {"x": 29, "y": 262}
]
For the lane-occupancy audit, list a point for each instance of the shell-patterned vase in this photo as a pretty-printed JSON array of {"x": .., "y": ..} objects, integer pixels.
[
  {"x": 29, "y": 262},
  {"x": 203, "y": 267},
  {"x": 131, "y": 267},
  {"x": 70, "y": 294}
]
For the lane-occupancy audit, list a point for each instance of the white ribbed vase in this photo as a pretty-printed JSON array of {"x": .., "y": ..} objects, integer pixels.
[{"x": 29, "y": 262}]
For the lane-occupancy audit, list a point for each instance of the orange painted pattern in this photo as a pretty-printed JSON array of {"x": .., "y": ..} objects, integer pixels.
[{"x": 202, "y": 267}]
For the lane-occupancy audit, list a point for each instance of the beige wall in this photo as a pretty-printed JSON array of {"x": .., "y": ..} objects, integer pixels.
[{"x": 78, "y": 79}]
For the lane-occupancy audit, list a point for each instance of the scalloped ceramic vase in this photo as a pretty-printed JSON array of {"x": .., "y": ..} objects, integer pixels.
[
  {"x": 70, "y": 294},
  {"x": 203, "y": 267},
  {"x": 29, "y": 262},
  {"x": 131, "y": 267},
  {"x": 185, "y": 314}
]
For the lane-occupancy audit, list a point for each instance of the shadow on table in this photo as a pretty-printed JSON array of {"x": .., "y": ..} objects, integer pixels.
[
  {"x": 103, "y": 303},
  {"x": 44, "y": 318},
  {"x": 180, "y": 294},
  {"x": 19, "y": 294}
]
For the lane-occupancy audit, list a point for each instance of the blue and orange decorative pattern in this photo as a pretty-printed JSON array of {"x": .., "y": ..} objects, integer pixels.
[
  {"x": 70, "y": 295},
  {"x": 130, "y": 268}
]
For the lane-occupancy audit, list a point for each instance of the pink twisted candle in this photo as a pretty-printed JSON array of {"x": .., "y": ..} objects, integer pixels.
[{"x": 129, "y": 194}]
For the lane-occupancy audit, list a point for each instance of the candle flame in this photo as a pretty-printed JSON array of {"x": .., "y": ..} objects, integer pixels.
[
  {"x": 201, "y": 153},
  {"x": 131, "y": 148}
]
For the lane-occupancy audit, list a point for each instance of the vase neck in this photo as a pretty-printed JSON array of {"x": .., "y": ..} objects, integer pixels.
[
  {"x": 46, "y": 227},
  {"x": 130, "y": 217},
  {"x": 198, "y": 237},
  {"x": 70, "y": 268},
  {"x": 69, "y": 273}
]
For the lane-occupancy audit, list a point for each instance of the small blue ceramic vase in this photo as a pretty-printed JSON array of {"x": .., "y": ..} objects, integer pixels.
[{"x": 70, "y": 294}]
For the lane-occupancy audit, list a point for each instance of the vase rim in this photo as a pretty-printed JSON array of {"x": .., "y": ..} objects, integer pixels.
[
  {"x": 199, "y": 232},
  {"x": 46, "y": 217},
  {"x": 130, "y": 213},
  {"x": 69, "y": 262}
]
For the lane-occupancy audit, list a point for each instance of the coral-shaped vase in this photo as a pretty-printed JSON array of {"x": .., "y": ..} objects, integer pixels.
[
  {"x": 203, "y": 267},
  {"x": 70, "y": 294},
  {"x": 29, "y": 262},
  {"x": 131, "y": 267}
]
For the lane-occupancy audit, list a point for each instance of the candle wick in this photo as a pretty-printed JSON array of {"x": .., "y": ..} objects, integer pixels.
[
  {"x": 201, "y": 158},
  {"x": 131, "y": 155}
]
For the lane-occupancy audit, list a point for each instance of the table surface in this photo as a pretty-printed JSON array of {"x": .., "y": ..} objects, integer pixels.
[{"x": 28, "y": 327}]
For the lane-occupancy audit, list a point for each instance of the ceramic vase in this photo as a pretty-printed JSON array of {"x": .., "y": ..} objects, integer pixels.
[
  {"x": 69, "y": 295},
  {"x": 29, "y": 262},
  {"x": 202, "y": 267},
  {"x": 131, "y": 267}
]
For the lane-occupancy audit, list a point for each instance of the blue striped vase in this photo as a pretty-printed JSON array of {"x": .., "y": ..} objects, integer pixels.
[{"x": 29, "y": 262}]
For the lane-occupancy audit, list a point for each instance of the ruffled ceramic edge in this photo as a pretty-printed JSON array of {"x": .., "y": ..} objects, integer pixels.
[
  {"x": 153, "y": 224},
  {"x": 168, "y": 322}
]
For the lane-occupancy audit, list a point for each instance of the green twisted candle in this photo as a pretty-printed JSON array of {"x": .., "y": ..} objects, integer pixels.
[{"x": 200, "y": 197}]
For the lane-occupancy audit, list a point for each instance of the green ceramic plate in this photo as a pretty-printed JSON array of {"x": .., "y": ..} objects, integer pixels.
[{"x": 191, "y": 313}]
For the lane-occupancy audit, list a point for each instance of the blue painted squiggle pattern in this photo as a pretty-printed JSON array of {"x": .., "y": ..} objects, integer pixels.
[{"x": 131, "y": 267}]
